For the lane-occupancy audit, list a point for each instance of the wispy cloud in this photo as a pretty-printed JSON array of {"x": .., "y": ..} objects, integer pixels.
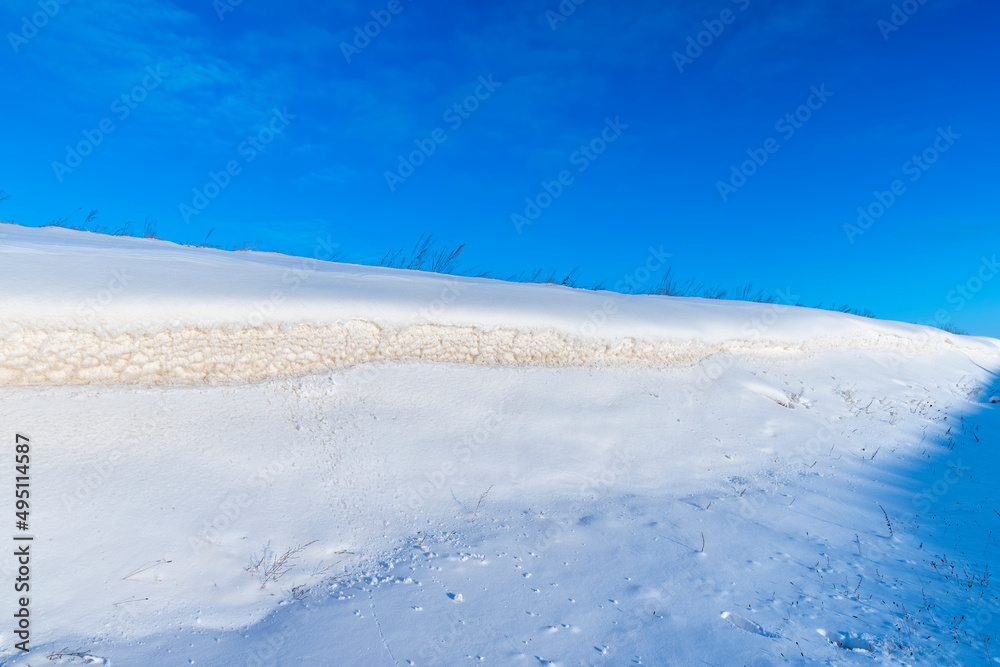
[{"x": 99, "y": 50}]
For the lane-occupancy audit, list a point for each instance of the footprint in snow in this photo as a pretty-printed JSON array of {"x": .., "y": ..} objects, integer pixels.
[
  {"x": 850, "y": 641},
  {"x": 746, "y": 624},
  {"x": 779, "y": 396}
]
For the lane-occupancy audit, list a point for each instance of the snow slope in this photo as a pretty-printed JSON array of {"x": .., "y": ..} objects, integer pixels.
[
  {"x": 679, "y": 482},
  {"x": 83, "y": 308}
]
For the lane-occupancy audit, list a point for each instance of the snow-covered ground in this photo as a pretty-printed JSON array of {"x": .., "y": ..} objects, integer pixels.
[{"x": 250, "y": 459}]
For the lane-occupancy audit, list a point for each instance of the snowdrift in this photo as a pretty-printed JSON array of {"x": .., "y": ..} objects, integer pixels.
[
  {"x": 81, "y": 308},
  {"x": 594, "y": 479}
]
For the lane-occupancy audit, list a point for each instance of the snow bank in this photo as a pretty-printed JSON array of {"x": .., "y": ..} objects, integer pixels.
[
  {"x": 777, "y": 499},
  {"x": 83, "y": 308}
]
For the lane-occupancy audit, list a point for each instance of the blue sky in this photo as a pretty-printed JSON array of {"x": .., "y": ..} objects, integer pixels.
[{"x": 626, "y": 124}]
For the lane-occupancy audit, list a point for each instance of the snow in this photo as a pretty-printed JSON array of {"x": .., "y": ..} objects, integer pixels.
[
  {"x": 84, "y": 309},
  {"x": 392, "y": 468}
]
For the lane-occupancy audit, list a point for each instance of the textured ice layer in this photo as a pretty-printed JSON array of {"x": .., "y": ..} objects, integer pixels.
[{"x": 194, "y": 355}]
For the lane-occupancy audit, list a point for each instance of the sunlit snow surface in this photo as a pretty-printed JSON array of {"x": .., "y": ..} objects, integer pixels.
[{"x": 509, "y": 479}]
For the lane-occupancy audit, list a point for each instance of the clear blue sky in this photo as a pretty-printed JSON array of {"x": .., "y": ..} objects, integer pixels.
[{"x": 309, "y": 117}]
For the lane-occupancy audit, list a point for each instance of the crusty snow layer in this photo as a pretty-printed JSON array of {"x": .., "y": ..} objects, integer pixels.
[
  {"x": 192, "y": 355},
  {"x": 82, "y": 308}
]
